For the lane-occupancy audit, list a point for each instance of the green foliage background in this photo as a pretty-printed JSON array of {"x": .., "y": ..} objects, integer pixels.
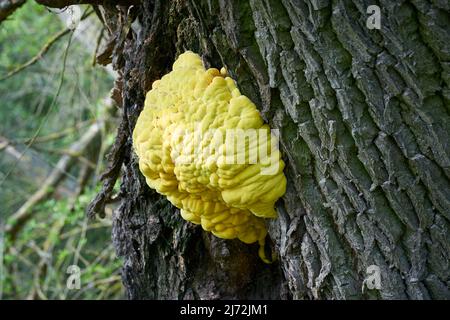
[{"x": 58, "y": 235}]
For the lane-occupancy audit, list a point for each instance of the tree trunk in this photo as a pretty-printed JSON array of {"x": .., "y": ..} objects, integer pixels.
[{"x": 364, "y": 117}]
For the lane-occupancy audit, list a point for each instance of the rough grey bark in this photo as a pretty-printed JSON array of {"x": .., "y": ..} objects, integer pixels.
[{"x": 364, "y": 117}]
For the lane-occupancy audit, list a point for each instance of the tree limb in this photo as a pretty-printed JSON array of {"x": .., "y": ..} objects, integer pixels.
[
  {"x": 24, "y": 213},
  {"x": 43, "y": 50}
]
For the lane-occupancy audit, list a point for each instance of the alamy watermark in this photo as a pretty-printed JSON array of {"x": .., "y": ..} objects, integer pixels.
[
  {"x": 373, "y": 278},
  {"x": 374, "y": 20},
  {"x": 74, "y": 280},
  {"x": 225, "y": 147}
]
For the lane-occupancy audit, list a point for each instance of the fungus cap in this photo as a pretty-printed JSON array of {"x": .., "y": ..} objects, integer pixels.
[{"x": 187, "y": 141}]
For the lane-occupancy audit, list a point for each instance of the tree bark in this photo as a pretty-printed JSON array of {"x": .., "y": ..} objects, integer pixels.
[{"x": 364, "y": 117}]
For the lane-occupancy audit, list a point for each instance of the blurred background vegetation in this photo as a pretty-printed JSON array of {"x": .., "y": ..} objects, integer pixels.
[{"x": 56, "y": 125}]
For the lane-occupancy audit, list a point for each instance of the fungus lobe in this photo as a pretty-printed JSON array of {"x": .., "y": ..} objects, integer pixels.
[{"x": 203, "y": 145}]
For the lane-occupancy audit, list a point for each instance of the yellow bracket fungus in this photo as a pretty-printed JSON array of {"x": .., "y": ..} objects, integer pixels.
[{"x": 203, "y": 145}]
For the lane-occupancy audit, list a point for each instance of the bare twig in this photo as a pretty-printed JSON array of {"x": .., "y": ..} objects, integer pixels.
[
  {"x": 43, "y": 122},
  {"x": 69, "y": 152},
  {"x": 39, "y": 56},
  {"x": 44, "y": 261},
  {"x": 97, "y": 46},
  {"x": 101, "y": 224},
  {"x": 43, "y": 50},
  {"x": 24, "y": 213},
  {"x": 54, "y": 135},
  {"x": 83, "y": 178}
]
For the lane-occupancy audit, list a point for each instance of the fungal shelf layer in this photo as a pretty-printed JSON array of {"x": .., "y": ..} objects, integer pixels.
[{"x": 182, "y": 141}]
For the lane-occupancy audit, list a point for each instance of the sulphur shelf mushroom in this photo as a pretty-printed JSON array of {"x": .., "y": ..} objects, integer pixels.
[{"x": 203, "y": 145}]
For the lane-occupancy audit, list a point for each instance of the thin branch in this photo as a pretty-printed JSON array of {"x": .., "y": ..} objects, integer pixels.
[
  {"x": 39, "y": 56},
  {"x": 21, "y": 216},
  {"x": 45, "y": 255},
  {"x": 54, "y": 135},
  {"x": 43, "y": 50},
  {"x": 104, "y": 223},
  {"x": 50, "y": 109},
  {"x": 78, "y": 155},
  {"x": 97, "y": 46}
]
